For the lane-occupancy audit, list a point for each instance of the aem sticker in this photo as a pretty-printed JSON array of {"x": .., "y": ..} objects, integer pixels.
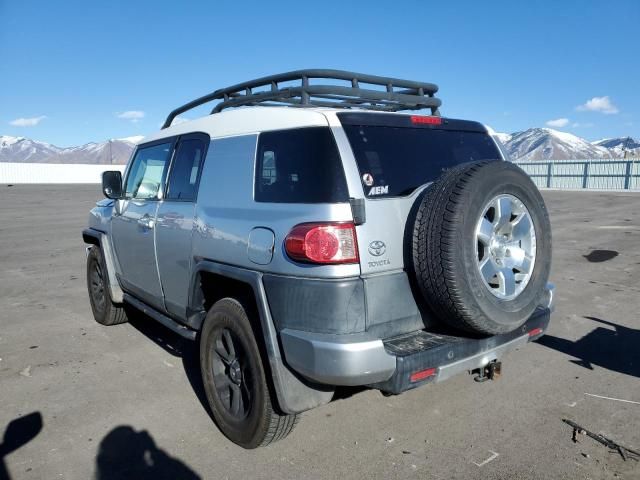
[
  {"x": 367, "y": 179},
  {"x": 381, "y": 190}
]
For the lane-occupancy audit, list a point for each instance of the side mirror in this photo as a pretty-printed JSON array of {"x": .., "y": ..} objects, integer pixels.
[{"x": 112, "y": 184}]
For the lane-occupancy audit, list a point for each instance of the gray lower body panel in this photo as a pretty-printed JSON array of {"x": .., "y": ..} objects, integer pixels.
[{"x": 382, "y": 305}]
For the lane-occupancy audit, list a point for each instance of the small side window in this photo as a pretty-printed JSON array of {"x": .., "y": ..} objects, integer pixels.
[
  {"x": 299, "y": 166},
  {"x": 147, "y": 171},
  {"x": 185, "y": 171}
]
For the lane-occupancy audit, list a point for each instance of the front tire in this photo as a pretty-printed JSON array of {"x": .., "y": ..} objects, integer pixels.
[
  {"x": 105, "y": 312},
  {"x": 235, "y": 380}
]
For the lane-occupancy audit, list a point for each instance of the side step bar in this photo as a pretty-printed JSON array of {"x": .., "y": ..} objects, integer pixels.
[{"x": 171, "y": 324}]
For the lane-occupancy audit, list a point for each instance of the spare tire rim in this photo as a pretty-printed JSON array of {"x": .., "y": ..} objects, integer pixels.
[{"x": 505, "y": 246}]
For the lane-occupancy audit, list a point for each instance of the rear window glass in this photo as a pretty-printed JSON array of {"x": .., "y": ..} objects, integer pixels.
[
  {"x": 395, "y": 161},
  {"x": 299, "y": 166}
]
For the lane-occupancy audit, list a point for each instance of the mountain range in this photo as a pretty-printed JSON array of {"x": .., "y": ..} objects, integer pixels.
[
  {"x": 25, "y": 150},
  {"x": 531, "y": 144},
  {"x": 550, "y": 144}
]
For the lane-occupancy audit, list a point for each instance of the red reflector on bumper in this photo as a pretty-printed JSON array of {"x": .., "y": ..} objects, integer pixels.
[
  {"x": 422, "y": 374},
  {"x": 535, "y": 331}
]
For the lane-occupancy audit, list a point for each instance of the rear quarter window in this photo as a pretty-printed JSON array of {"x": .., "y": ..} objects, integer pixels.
[{"x": 299, "y": 166}]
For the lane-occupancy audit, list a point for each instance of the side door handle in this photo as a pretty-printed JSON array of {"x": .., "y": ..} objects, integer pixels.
[{"x": 146, "y": 222}]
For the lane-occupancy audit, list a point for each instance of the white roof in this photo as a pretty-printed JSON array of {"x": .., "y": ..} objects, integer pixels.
[{"x": 245, "y": 120}]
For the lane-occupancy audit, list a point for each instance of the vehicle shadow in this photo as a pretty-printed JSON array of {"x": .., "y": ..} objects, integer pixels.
[
  {"x": 616, "y": 349},
  {"x": 171, "y": 342},
  {"x": 125, "y": 454},
  {"x": 18, "y": 433}
]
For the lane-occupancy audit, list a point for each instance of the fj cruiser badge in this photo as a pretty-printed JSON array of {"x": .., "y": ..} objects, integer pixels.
[{"x": 377, "y": 248}]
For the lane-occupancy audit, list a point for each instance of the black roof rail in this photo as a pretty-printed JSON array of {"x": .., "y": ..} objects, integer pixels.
[{"x": 396, "y": 95}]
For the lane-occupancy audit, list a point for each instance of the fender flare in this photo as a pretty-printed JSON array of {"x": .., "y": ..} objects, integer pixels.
[
  {"x": 295, "y": 395},
  {"x": 101, "y": 240}
]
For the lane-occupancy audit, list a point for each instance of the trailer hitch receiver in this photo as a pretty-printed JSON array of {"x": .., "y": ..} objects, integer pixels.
[{"x": 491, "y": 371}]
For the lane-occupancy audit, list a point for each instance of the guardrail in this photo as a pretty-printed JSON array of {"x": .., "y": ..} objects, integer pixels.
[
  {"x": 590, "y": 174},
  {"x": 53, "y": 172}
]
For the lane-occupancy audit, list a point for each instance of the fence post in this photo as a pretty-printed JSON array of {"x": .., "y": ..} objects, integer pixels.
[
  {"x": 549, "y": 171},
  {"x": 627, "y": 176},
  {"x": 585, "y": 175}
]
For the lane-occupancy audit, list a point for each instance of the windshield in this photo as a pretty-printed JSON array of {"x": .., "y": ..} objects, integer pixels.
[{"x": 394, "y": 161}]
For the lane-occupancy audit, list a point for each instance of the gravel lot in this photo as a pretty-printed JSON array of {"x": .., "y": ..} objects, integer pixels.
[{"x": 126, "y": 402}]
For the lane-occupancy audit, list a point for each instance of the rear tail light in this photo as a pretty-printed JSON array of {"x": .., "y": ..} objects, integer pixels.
[
  {"x": 423, "y": 120},
  {"x": 326, "y": 243}
]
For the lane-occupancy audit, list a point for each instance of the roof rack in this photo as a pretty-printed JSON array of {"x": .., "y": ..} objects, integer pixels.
[{"x": 396, "y": 95}]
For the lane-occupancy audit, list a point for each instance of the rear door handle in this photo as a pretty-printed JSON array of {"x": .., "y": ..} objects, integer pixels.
[{"x": 146, "y": 222}]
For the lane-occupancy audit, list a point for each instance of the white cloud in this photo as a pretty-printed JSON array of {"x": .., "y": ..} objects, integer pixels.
[
  {"x": 133, "y": 115},
  {"x": 598, "y": 104},
  {"x": 582, "y": 125},
  {"x": 558, "y": 122},
  {"x": 27, "y": 122}
]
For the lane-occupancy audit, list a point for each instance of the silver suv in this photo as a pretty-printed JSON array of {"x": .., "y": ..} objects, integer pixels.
[{"x": 317, "y": 238}]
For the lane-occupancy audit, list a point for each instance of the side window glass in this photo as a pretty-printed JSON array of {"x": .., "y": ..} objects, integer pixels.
[
  {"x": 299, "y": 166},
  {"x": 147, "y": 171},
  {"x": 183, "y": 179}
]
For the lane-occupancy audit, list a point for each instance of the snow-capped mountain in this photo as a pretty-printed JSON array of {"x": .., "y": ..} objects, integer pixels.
[
  {"x": 25, "y": 150},
  {"x": 20, "y": 149},
  {"x": 503, "y": 137},
  {"x": 532, "y": 144},
  {"x": 547, "y": 144},
  {"x": 620, "y": 145}
]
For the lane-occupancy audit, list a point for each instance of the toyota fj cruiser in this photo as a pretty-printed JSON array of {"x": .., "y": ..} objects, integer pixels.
[{"x": 317, "y": 238}]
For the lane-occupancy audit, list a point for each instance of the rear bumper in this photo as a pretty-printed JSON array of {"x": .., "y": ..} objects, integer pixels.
[
  {"x": 448, "y": 356},
  {"x": 359, "y": 359}
]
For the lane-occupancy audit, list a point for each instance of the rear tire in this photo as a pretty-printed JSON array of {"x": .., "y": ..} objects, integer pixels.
[
  {"x": 482, "y": 247},
  {"x": 104, "y": 310},
  {"x": 235, "y": 380}
]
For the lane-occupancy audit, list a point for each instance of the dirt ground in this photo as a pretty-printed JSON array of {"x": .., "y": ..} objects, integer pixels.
[{"x": 126, "y": 401}]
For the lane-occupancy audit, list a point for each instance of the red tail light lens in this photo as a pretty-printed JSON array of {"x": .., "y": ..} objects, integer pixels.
[
  {"x": 328, "y": 243},
  {"x": 422, "y": 120}
]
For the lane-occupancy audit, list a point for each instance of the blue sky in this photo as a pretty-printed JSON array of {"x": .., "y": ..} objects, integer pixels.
[{"x": 78, "y": 71}]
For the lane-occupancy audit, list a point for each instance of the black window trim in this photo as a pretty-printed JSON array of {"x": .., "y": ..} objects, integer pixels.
[{"x": 187, "y": 136}]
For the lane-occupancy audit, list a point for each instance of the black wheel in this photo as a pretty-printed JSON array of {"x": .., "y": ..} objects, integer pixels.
[
  {"x": 481, "y": 247},
  {"x": 235, "y": 381},
  {"x": 104, "y": 310}
]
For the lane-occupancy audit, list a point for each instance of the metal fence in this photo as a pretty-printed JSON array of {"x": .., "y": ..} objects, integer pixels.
[{"x": 613, "y": 174}]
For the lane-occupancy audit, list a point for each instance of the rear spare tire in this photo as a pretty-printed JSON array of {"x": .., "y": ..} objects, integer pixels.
[{"x": 481, "y": 247}]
